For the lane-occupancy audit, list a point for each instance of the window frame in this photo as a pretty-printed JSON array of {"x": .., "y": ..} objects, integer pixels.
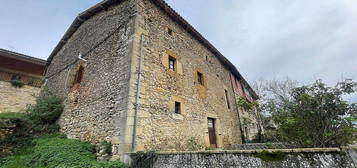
[
  {"x": 227, "y": 99},
  {"x": 79, "y": 75},
  {"x": 174, "y": 62},
  {"x": 178, "y": 108},
  {"x": 170, "y": 31},
  {"x": 200, "y": 78}
]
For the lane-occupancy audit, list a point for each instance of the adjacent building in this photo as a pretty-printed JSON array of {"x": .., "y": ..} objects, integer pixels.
[
  {"x": 24, "y": 69},
  {"x": 135, "y": 73}
]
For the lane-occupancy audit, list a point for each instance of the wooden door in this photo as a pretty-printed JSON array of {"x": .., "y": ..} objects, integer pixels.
[{"x": 212, "y": 133}]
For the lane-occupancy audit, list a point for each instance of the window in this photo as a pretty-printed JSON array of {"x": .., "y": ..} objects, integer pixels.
[
  {"x": 169, "y": 31},
  {"x": 15, "y": 77},
  {"x": 200, "y": 78},
  {"x": 79, "y": 75},
  {"x": 172, "y": 62},
  {"x": 227, "y": 99},
  {"x": 177, "y": 107}
]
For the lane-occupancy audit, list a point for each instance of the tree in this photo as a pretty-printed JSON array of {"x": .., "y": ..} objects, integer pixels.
[
  {"x": 273, "y": 94},
  {"x": 317, "y": 116}
]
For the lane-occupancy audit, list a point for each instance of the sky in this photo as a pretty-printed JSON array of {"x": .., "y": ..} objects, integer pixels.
[{"x": 304, "y": 40}]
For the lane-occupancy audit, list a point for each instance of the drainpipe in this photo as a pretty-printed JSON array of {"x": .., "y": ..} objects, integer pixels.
[{"x": 137, "y": 101}]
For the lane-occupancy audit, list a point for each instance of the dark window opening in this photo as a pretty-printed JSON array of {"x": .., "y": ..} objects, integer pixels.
[
  {"x": 169, "y": 31},
  {"x": 79, "y": 75},
  {"x": 206, "y": 58},
  {"x": 172, "y": 62},
  {"x": 15, "y": 77},
  {"x": 200, "y": 78},
  {"x": 227, "y": 99},
  {"x": 177, "y": 107}
]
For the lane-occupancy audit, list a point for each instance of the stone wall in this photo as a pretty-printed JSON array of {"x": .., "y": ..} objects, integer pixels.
[
  {"x": 95, "y": 109},
  {"x": 16, "y": 99},
  {"x": 159, "y": 128},
  {"x": 296, "y": 158},
  {"x": 102, "y": 106}
]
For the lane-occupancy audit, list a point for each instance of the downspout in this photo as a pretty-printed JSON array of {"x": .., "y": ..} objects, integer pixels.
[{"x": 137, "y": 100}]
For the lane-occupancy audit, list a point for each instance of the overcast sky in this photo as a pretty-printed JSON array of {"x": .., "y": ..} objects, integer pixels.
[{"x": 302, "y": 39}]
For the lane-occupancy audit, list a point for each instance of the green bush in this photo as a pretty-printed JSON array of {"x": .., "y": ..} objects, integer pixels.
[
  {"x": 46, "y": 111},
  {"x": 55, "y": 151},
  {"x": 107, "y": 147},
  {"x": 38, "y": 144},
  {"x": 39, "y": 119},
  {"x": 16, "y": 83}
]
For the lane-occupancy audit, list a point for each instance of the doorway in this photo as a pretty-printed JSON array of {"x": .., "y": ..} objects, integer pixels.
[{"x": 212, "y": 133}]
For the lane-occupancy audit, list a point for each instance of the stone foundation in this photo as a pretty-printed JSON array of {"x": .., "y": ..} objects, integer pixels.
[{"x": 294, "y": 158}]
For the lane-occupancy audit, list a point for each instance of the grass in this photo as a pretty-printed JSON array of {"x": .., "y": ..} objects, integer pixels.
[
  {"x": 55, "y": 151},
  {"x": 12, "y": 115},
  {"x": 35, "y": 141}
]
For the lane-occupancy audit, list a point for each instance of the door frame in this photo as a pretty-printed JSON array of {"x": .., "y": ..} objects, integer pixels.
[{"x": 212, "y": 137}]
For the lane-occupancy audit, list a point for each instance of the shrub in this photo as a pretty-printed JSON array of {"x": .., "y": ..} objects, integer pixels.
[
  {"x": 245, "y": 104},
  {"x": 192, "y": 144},
  {"x": 54, "y": 151},
  {"x": 16, "y": 83},
  {"x": 40, "y": 119},
  {"x": 46, "y": 111},
  {"x": 107, "y": 146},
  {"x": 317, "y": 116}
]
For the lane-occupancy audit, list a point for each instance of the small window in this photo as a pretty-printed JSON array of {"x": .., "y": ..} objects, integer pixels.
[
  {"x": 177, "y": 107},
  {"x": 172, "y": 62},
  {"x": 79, "y": 75},
  {"x": 170, "y": 32},
  {"x": 227, "y": 99},
  {"x": 15, "y": 77},
  {"x": 200, "y": 78}
]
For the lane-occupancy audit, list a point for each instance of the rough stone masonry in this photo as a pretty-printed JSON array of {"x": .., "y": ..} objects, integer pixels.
[{"x": 134, "y": 73}]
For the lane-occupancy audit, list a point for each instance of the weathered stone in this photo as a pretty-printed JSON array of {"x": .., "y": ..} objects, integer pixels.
[
  {"x": 16, "y": 99},
  {"x": 322, "y": 158},
  {"x": 103, "y": 106}
]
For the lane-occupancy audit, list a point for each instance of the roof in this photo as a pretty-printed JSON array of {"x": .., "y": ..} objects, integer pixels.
[
  {"x": 82, "y": 17},
  {"x": 22, "y": 57}
]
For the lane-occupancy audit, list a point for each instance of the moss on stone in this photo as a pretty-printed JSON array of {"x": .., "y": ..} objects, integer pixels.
[{"x": 271, "y": 156}]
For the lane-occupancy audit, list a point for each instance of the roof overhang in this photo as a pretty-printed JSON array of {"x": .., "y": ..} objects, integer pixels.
[{"x": 22, "y": 57}]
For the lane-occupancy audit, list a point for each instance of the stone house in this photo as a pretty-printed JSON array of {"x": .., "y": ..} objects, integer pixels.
[
  {"x": 135, "y": 73},
  {"x": 26, "y": 69}
]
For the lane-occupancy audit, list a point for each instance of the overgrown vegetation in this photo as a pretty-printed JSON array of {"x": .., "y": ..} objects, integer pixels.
[
  {"x": 245, "y": 104},
  {"x": 143, "y": 159},
  {"x": 271, "y": 156},
  {"x": 193, "y": 145},
  {"x": 35, "y": 141},
  {"x": 107, "y": 146},
  {"x": 16, "y": 83},
  {"x": 313, "y": 115}
]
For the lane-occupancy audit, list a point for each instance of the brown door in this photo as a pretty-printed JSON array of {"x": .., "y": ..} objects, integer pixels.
[{"x": 212, "y": 133}]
